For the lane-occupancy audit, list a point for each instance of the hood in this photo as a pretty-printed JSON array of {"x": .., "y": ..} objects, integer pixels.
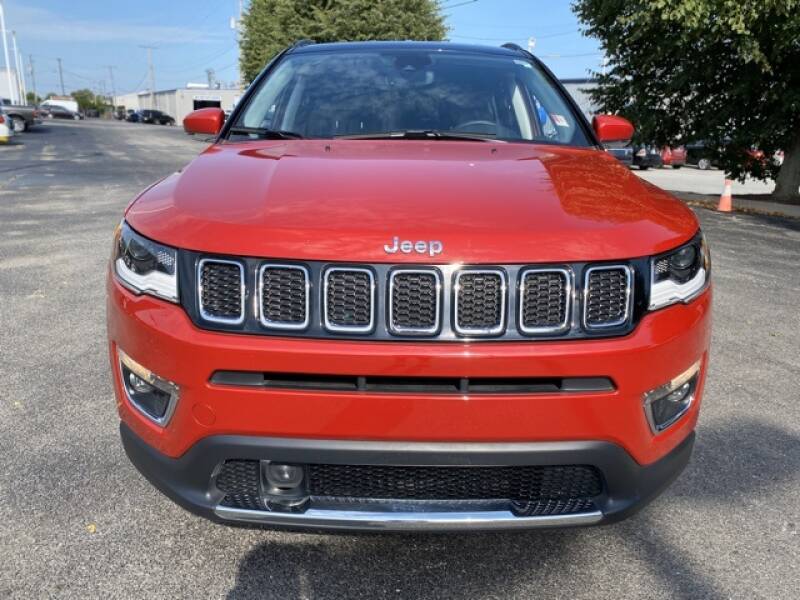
[{"x": 345, "y": 200}]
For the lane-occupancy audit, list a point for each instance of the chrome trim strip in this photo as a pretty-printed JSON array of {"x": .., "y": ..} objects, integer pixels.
[
  {"x": 628, "y": 295},
  {"x": 405, "y": 521},
  {"x": 663, "y": 390},
  {"x": 503, "y": 301},
  {"x": 287, "y": 325},
  {"x": 205, "y": 316},
  {"x": 564, "y": 326},
  {"x": 154, "y": 380},
  {"x": 411, "y": 330},
  {"x": 667, "y": 292},
  {"x": 348, "y": 328}
]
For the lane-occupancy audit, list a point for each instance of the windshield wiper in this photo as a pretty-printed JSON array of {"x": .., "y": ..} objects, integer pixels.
[
  {"x": 420, "y": 134},
  {"x": 269, "y": 134}
]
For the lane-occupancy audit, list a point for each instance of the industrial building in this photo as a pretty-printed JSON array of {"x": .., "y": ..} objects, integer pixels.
[{"x": 180, "y": 102}]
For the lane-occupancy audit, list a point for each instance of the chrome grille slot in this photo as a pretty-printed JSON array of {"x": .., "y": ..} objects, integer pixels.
[
  {"x": 545, "y": 299},
  {"x": 607, "y": 296},
  {"x": 349, "y": 298},
  {"x": 284, "y": 296},
  {"x": 480, "y": 302},
  {"x": 221, "y": 290},
  {"x": 414, "y": 301}
]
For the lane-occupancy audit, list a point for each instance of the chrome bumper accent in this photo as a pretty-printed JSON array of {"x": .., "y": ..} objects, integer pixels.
[{"x": 405, "y": 521}]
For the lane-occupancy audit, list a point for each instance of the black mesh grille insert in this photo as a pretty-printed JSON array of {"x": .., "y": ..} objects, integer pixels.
[
  {"x": 414, "y": 300},
  {"x": 544, "y": 301},
  {"x": 349, "y": 299},
  {"x": 221, "y": 290},
  {"x": 606, "y": 298},
  {"x": 532, "y": 490},
  {"x": 480, "y": 300},
  {"x": 239, "y": 481},
  {"x": 283, "y": 295}
]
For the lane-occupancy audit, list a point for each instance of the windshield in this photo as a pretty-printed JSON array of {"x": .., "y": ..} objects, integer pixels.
[{"x": 372, "y": 93}]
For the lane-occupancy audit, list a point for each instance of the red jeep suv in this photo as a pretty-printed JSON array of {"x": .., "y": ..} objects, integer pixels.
[{"x": 406, "y": 288}]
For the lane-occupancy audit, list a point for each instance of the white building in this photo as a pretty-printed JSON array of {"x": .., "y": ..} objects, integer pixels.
[
  {"x": 180, "y": 102},
  {"x": 579, "y": 89}
]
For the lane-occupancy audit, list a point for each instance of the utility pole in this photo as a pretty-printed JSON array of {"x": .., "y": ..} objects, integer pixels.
[
  {"x": 61, "y": 78},
  {"x": 113, "y": 89},
  {"x": 33, "y": 79},
  {"x": 20, "y": 72},
  {"x": 11, "y": 91},
  {"x": 152, "y": 74},
  {"x": 236, "y": 25}
]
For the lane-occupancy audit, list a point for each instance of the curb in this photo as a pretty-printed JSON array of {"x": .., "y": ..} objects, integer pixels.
[{"x": 742, "y": 205}]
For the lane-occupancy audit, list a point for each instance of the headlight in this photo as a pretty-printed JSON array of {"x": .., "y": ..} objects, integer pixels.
[
  {"x": 680, "y": 275},
  {"x": 145, "y": 266}
]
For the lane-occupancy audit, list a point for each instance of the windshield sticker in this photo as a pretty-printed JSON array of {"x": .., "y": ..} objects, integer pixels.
[{"x": 559, "y": 120}]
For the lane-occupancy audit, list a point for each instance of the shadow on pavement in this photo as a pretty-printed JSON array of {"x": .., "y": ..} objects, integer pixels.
[{"x": 737, "y": 459}]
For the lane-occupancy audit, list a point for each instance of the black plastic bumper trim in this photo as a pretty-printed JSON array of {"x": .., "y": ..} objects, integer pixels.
[
  {"x": 187, "y": 480},
  {"x": 413, "y": 385}
]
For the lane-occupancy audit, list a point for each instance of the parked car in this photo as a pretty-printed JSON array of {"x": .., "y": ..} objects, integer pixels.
[
  {"x": 21, "y": 117},
  {"x": 157, "y": 117},
  {"x": 623, "y": 153},
  {"x": 697, "y": 153},
  {"x": 59, "y": 112},
  {"x": 388, "y": 297},
  {"x": 6, "y": 127},
  {"x": 646, "y": 156},
  {"x": 133, "y": 116},
  {"x": 673, "y": 157}
]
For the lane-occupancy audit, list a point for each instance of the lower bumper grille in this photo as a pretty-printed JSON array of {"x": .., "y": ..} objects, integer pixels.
[{"x": 526, "y": 490}]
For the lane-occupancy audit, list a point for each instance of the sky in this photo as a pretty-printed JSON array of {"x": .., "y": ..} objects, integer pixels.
[{"x": 189, "y": 36}]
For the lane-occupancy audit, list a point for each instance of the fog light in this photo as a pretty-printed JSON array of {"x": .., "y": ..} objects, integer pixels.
[
  {"x": 153, "y": 396},
  {"x": 666, "y": 404}
]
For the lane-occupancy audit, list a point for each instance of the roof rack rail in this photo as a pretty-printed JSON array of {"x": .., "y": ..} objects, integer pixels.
[
  {"x": 301, "y": 43},
  {"x": 515, "y": 47}
]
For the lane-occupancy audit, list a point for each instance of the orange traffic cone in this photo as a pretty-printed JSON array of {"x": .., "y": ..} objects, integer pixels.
[{"x": 725, "y": 200}]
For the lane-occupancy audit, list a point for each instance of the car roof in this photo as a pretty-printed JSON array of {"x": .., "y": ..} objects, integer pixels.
[{"x": 402, "y": 45}]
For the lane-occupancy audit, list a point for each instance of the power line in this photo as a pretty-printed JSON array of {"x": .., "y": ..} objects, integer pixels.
[
  {"x": 457, "y": 4},
  {"x": 505, "y": 39}
]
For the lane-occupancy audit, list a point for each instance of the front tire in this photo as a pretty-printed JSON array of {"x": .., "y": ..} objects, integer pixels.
[
  {"x": 644, "y": 167},
  {"x": 704, "y": 164}
]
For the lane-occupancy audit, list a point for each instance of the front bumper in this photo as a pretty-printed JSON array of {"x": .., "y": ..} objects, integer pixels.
[
  {"x": 189, "y": 480},
  {"x": 213, "y": 423}
]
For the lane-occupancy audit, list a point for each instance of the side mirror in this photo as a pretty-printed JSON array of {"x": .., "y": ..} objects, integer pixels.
[
  {"x": 207, "y": 121},
  {"x": 610, "y": 128}
]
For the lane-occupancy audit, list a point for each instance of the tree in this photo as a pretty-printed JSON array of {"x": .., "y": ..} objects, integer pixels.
[
  {"x": 32, "y": 98},
  {"x": 85, "y": 98},
  {"x": 269, "y": 26},
  {"x": 726, "y": 72}
]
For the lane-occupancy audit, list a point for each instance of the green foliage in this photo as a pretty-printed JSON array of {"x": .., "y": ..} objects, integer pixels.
[
  {"x": 272, "y": 25},
  {"x": 724, "y": 71},
  {"x": 32, "y": 98},
  {"x": 87, "y": 100}
]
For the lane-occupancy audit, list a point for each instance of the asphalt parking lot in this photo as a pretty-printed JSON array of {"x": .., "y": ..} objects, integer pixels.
[{"x": 79, "y": 521}]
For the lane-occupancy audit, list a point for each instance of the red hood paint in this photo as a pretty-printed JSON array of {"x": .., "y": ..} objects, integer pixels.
[{"x": 343, "y": 200}]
